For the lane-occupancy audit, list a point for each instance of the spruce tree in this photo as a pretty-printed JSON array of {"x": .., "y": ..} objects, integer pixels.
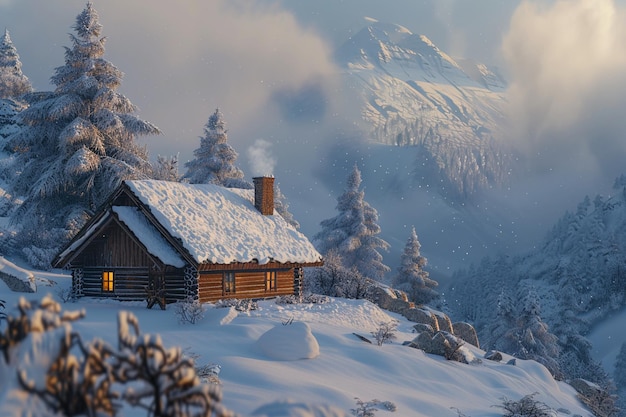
[
  {"x": 504, "y": 320},
  {"x": 13, "y": 83},
  {"x": 531, "y": 338},
  {"x": 281, "y": 204},
  {"x": 353, "y": 233},
  {"x": 214, "y": 161},
  {"x": 77, "y": 146},
  {"x": 411, "y": 277}
]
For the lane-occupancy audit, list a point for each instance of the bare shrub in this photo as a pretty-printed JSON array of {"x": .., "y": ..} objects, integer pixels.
[
  {"x": 386, "y": 332},
  {"x": 526, "y": 407},
  {"x": 369, "y": 408},
  {"x": 189, "y": 311},
  {"x": 95, "y": 379},
  {"x": 208, "y": 373}
]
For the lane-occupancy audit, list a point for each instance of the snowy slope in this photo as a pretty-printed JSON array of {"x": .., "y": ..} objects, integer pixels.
[
  {"x": 345, "y": 368},
  {"x": 577, "y": 271}
]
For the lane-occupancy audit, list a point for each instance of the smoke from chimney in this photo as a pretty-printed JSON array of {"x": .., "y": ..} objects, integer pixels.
[{"x": 262, "y": 162}]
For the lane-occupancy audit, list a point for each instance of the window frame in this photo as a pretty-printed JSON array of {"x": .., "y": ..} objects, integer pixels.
[
  {"x": 108, "y": 281},
  {"x": 228, "y": 282}
]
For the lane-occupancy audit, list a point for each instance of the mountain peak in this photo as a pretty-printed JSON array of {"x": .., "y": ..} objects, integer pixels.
[
  {"x": 413, "y": 93},
  {"x": 379, "y": 43}
]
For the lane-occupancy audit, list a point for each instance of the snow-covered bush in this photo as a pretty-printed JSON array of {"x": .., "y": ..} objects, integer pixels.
[
  {"x": 335, "y": 280},
  {"x": 159, "y": 380},
  {"x": 305, "y": 299},
  {"x": 189, "y": 311},
  {"x": 61, "y": 373},
  {"x": 244, "y": 306}
]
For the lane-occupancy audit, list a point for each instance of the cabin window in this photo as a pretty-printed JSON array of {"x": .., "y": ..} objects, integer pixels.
[
  {"x": 229, "y": 282},
  {"x": 270, "y": 281},
  {"x": 107, "y": 281}
]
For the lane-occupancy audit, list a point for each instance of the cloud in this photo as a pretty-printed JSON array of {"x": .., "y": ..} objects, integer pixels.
[
  {"x": 567, "y": 63},
  {"x": 181, "y": 60}
]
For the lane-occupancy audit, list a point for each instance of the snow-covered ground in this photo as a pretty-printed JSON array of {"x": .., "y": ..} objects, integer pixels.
[{"x": 340, "y": 368}]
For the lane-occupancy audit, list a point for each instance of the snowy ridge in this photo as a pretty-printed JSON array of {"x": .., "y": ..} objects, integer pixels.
[
  {"x": 221, "y": 225},
  {"x": 412, "y": 93}
]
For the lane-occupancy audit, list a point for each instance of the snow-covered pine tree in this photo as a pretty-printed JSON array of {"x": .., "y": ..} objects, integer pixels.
[
  {"x": 353, "y": 233},
  {"x": 13, "y": 86},
  {"x": 13, "y": 83},
  {"x": 411, "y": 277},
  {"x": 77, "y": 145},
  {"x": 282, "y": 207},
  {"x": 166, "y": 168},
  {"x": 504, "y": 320},
  {"x": 532, "y": 338},
  {"x": 214, "y": 161}
]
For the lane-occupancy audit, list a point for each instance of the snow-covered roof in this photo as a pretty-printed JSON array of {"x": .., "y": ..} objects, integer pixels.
[
  {"x": 148, "y": 235},
  {"x": 221, "y": 225}
]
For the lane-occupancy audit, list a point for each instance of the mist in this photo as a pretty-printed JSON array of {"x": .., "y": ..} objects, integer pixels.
[{"x": 567, "y": 64}]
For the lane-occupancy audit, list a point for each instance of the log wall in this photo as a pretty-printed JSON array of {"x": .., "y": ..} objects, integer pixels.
[
  {"x": 248, "y": 284},
  {"x": 129, "y": 283}
]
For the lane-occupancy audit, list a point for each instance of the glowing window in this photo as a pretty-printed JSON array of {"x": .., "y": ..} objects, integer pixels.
[
  {"x": 107, "y": 281},
  {"x": 270, "y": 281}
]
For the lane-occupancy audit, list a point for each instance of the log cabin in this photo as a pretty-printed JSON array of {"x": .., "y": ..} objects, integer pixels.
[{"x": 180, "y": 241}]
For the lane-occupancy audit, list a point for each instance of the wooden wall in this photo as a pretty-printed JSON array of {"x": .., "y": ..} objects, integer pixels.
[
  {"x": 248, "y": 284},
  {"x": 129, "y": 283},
  {"x": 117, "y": 251},
  {"x": 113, "y": 247}
]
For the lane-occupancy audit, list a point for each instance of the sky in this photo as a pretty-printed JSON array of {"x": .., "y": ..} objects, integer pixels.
[
  {"x": 312, "y": 367},
  {"x": 183, "y": 59},
  {"x": 258, "y": 59}
]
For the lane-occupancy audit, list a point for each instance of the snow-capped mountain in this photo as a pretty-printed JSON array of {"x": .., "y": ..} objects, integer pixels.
[{"x": 412, "y": 93}]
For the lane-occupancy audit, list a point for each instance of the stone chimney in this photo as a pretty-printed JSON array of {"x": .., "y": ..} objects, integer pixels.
[{"x": 264, "y": 195}]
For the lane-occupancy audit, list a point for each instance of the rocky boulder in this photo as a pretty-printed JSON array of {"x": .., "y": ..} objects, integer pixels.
[{"x": 466, "y": 332}]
